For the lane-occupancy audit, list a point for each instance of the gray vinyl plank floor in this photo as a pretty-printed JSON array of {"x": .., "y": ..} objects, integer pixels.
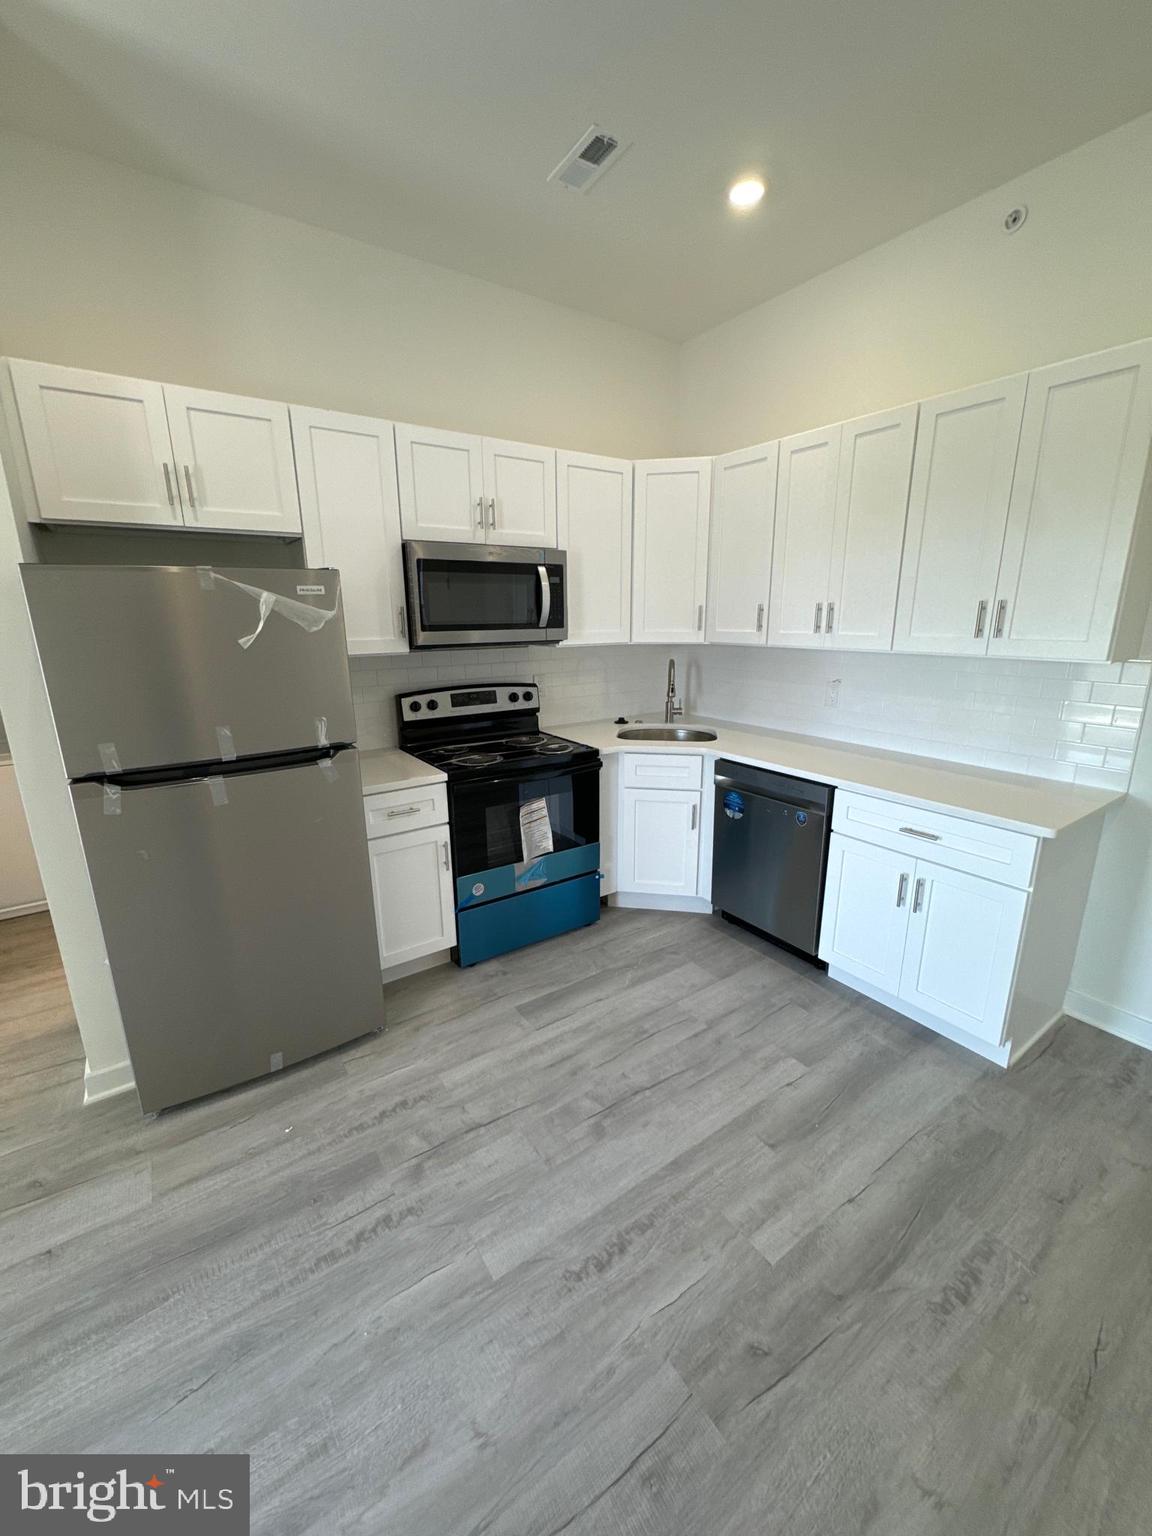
[{"x": 649, "y": 1229}]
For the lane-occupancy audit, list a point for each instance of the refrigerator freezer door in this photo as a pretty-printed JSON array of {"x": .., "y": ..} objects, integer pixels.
[
  {"x": 144, "y": 664},
  {"x": 238, "y": 919}
]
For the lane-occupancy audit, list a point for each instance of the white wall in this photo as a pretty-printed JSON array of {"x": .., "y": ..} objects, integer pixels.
[
  {"x": 953, "y": 302},
  {"x": 102, "y": 267}
]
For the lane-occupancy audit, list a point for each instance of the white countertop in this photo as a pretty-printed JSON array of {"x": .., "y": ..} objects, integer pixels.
[
  {"x": 1042, "y": 807},
  {"x": 389, "y": 769}
]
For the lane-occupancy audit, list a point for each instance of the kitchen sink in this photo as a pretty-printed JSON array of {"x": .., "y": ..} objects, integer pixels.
[{"x": 665, "y": 733}]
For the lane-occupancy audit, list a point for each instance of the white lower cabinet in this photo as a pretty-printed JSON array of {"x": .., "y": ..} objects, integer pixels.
[
  {"x": 411, "y": 881},
  {"x": 658, "y": 848},
  {"x": 965, "y": 926}
]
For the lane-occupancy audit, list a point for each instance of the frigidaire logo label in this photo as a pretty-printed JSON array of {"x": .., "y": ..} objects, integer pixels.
[{"x": 207, "y": 1494}]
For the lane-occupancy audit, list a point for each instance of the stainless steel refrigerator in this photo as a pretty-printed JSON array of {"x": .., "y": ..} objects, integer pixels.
[{"x": 205, "y": 720}]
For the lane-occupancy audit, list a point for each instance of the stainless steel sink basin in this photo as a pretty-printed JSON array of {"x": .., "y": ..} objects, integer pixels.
[{"x": 665, "y": 733}]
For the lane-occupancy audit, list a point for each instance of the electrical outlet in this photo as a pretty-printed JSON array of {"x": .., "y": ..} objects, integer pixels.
[{"x": 832, "y": 693}]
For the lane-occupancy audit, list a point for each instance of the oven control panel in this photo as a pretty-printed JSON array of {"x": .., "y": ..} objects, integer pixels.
[{"x": 468, "y": 699}]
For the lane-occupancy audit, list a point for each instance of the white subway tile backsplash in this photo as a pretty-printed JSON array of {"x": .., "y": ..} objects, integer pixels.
[{"x": 1051, "y": 719}]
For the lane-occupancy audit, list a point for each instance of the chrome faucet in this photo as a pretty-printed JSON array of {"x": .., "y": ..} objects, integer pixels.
[{"x": 672, "y": 705}]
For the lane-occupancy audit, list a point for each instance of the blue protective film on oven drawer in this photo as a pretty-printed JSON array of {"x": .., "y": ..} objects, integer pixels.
[
  {"x": 507, "y": 879},
  {"x": 500, "y": 926}
]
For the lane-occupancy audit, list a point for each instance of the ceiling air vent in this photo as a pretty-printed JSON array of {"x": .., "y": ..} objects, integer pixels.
[{"x": 587, "y": 160}]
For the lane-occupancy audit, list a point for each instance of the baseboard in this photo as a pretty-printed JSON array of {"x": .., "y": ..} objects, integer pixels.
[
  {"x": 108, "y": 1082},
  {"x": 25, "y": 911},
  {"x": 1133, "y": 1027},
  {"x": 649, "y": 903},
  {"x": 413, "y": 967}
]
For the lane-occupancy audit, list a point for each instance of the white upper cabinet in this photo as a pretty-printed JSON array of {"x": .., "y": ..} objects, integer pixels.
[
  {"x": 98, "y": 446},
  {"x": 441, "y": 480},
  {"x": 346, "y": 466},
  {"x": 594, "y": 525},
  {"x": 233, "y": 461},
  {"x": 740, "y": 545},
  {"x": 958, "y": 507},
  {"x": 871, "y": 510},
  {"x": 805, "y": 521},
  {"x": 1075, "y": 499},
  {"x": 670, "y": 567},
  {"x": 520, "y": 493},
  {"x": 475, "y": 490}
]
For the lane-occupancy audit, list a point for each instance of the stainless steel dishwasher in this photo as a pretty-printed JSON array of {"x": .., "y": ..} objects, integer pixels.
[{"x": 769, "y": 852}]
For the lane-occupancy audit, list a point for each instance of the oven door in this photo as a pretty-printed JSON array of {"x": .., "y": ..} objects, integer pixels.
[
  {"x": 514, "y": 834},
  {"x": 484, "y": 594}
]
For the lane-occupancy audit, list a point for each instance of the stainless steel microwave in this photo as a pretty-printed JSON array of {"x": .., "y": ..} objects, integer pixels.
[{"x": 484, "y": 594}]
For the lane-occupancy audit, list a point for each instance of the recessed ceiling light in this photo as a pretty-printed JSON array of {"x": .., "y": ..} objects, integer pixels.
[{"x": 746, "y": 192}]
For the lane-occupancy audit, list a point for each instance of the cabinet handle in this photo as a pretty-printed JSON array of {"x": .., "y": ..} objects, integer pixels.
[
  {"x": 492, "y": 512},
  {"x": 407, "y": 810},
  {"x": 168, "y": 487},
  {"x": 480, "y": 511},
  {"x": 929, "y": 837},
  {"x": 818, "y": 624},
  {"x": 700, "y": 616},
  {"x": 447, "y": 860},
  {"x": 981, "y": 615},
  {"x": 918, "y": 895},
  {"x": 188, "y": 483},
  {"x": 759, "y": 617},
  {"x": 1001, "y": 612},
  {"x": 831, "y": 616},
  {"x": 902, "y": 890},
  {"x": 402, "y": 616},
  {"x": 695, "y": 816}
]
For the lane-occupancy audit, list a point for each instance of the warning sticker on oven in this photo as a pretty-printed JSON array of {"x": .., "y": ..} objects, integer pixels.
[{"x": 535, "y": 830}]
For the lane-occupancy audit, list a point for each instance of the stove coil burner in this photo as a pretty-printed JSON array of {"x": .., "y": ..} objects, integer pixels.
[
  {"x": 555, "y": 747},
  {"x": 526, "y": 741},
  {"x": 475, "y": 759}
]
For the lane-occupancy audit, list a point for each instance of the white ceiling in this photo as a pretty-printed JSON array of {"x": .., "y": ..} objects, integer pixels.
[{"x": 429, "y": 126}]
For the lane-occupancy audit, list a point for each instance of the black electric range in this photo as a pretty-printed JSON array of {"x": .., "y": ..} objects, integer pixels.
[{"x": 523, "y": 813}]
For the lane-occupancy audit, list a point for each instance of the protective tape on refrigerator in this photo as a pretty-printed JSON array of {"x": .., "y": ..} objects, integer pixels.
[
  {"x": 217, "y": 789},
  {"x": 226, "y": 744},
  {"x": 109, "y": 757},
  {"x": 321, "y": 730},
  {"x": 111, "y": 799},
  {"x": 303, "y": 614},
  {"x": 327, "y": 767}
]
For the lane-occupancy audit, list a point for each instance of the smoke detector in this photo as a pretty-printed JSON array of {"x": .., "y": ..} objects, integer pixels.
[{"x": 587, "y": 160}]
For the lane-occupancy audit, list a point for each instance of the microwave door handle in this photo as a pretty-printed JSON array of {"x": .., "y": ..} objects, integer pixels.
[{"x": 545, "y": 596}]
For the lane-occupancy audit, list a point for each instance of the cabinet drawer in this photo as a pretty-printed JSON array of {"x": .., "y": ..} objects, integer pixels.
[
  {"x": 404, "y": 810},
  {"x": 972, "y": 846},
  {"x": 663, "y": 770}
]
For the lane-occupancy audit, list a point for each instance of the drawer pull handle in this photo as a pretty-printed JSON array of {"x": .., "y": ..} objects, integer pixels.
[
  {"x": 981, "y": 615},
  {"x": 759, "y": 617},
  {"x": 1001, "y": 611},
  {"x": 918, "y": 895},
  {"x": 816, "y": 627},
  {"x": 408, "y": 810},
  {"x": 447, "y": 860},
  {"x": 695, "y": 815},
  {"x": 929, "y": 837},
  {"x": 902, "y": 890},
  {"x": 831, "y": 617}
]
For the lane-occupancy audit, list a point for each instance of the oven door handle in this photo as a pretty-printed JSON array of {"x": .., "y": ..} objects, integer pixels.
[
  {"x": 545, "y": 596},
  {"x": 458, "y": 790}
]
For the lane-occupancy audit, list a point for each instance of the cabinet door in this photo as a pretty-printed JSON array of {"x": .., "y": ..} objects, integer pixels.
[
  {"x": 740, "y": 544},
  {"x": 234, "y": 461},
  {"x": 802, "y": 555},
  {"x": 864, "y": 919},
  {"x": 961, "y": 482},
  {"x": 1075, "y": 497},
  {"x": 98, "y": 446},
  {"x": 346, "y": 467},
  {"x": 871, "y": 510},
  {"x": 963, "y": 938},
  {"x": 520, "y": 493},
  {"x": 441, "y": 482},
  {"x": 670, "y": 566},
  {"x": 412, "y": 890},
  {"x": 594, "y": 525},
  {"x": 659, "y": 842}
]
